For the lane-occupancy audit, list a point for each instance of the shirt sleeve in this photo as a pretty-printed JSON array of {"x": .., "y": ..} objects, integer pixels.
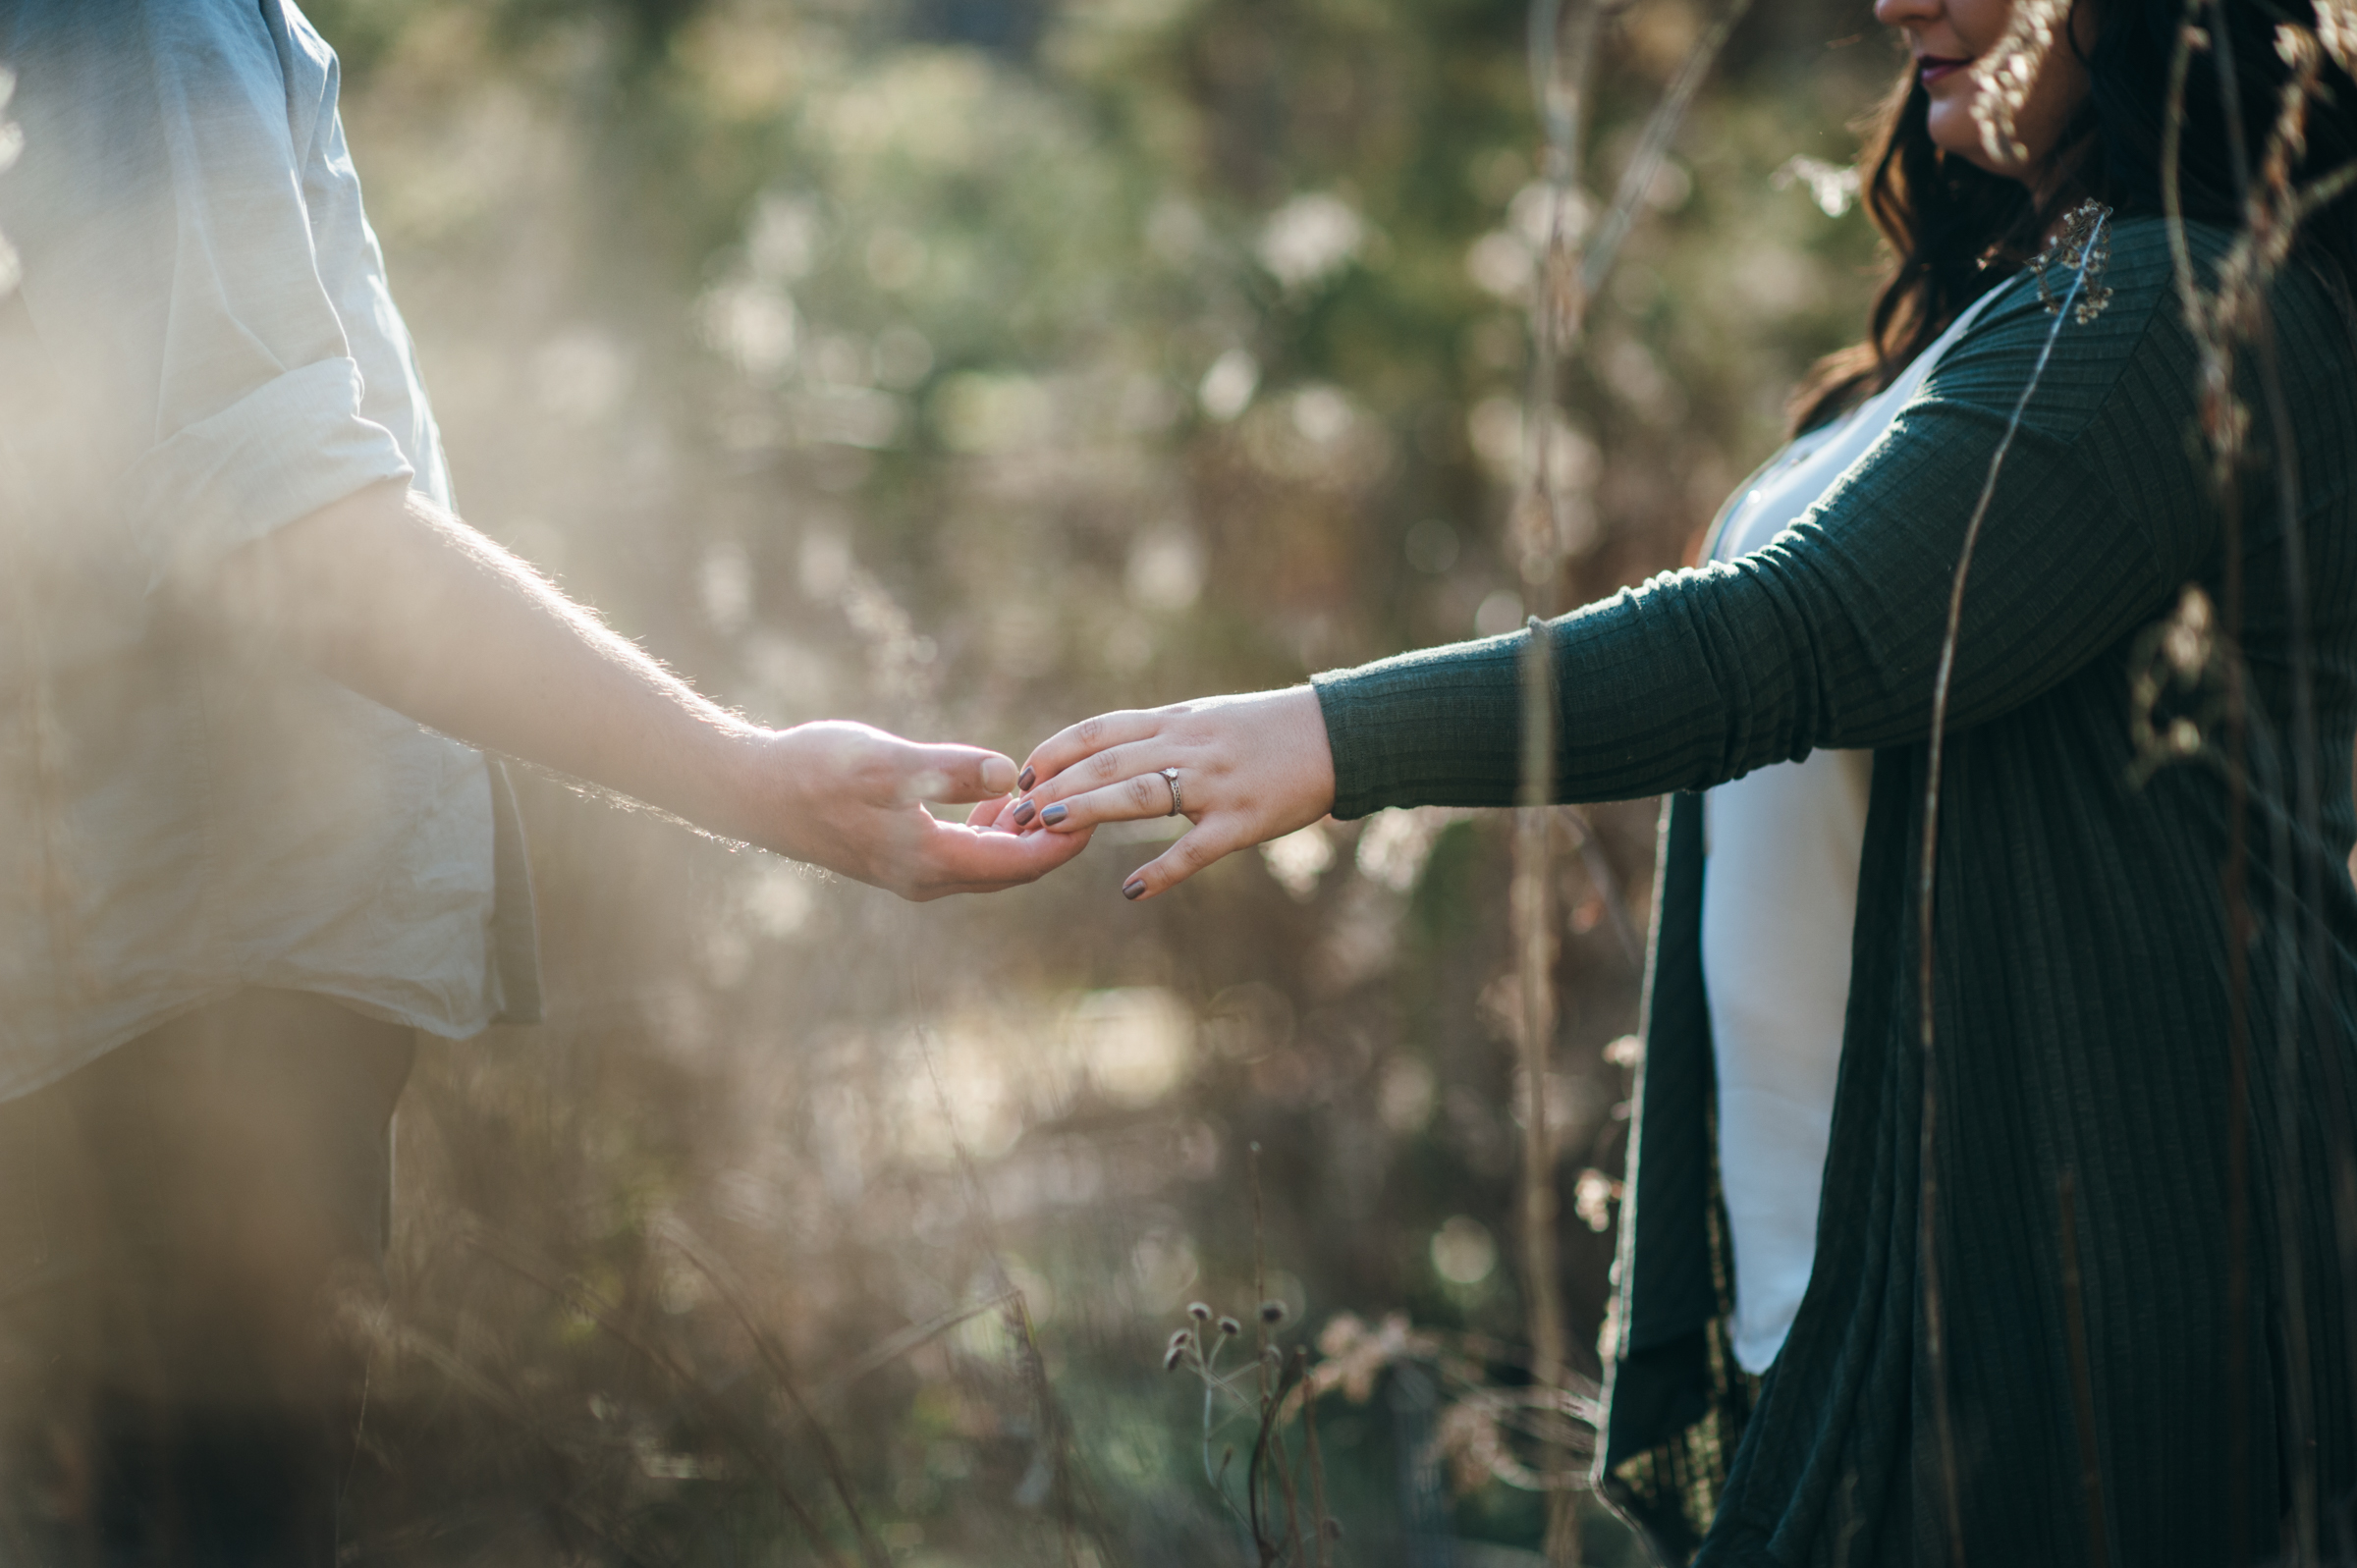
[
  {"x": 1830, "y": 634},
  {"x": 169, "y": 276}
]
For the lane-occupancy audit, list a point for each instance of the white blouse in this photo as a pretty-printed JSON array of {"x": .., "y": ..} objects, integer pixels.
[{"x": 1780, "y": 893}]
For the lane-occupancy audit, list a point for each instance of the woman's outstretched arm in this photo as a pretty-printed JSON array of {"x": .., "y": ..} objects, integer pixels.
[{"x": 1829, "y": 637}]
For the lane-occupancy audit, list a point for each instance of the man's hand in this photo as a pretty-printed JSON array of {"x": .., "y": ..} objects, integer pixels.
[
  {"x": 845, "y": 796},
  {"x": 408, "y": 606}
]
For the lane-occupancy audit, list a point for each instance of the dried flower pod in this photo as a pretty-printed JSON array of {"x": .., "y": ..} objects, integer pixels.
[
  {"x": 1271, "y": 1313},
  {"x": 2337, "y": 30},
  {"x": 2085, "y": 247},
  {"x": 2186, "y": 641},
  {"x": 1198, "y": 1311},
  {"x": 1230, "y": 1327},
  {"x": 1172, "y": 1356}
]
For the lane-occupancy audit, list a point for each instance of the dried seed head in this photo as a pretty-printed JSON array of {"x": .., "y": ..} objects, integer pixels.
[
  {"x": 1184, "y": 1336},
  {"x": 2295, "y": 46},
  {"x": 2186, "y": 641},
  {"x": 2337, "y": 30},
  {"x": 1593, "y": 1199},
  {"x": 2085, "y": 247},
  {"x": 1199, "y": 1311},
  {"x": 1230, "y": 1327},
  {"x": 1271, "y": 1313},
  {"x": 1172, "y": 1356}
]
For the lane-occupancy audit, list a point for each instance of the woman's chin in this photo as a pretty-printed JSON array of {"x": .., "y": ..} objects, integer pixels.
[
  {"x": 1953, "y": 127},
  {"x": 1954, "y": 131}
]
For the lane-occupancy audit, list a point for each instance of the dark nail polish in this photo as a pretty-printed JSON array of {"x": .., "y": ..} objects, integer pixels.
[
  {"x": 1022, "y": 813},
  {"x": 1135, "y": 892},
  {"x": 1054, "y": 815},
  {"x": 1028, "y": 778}
]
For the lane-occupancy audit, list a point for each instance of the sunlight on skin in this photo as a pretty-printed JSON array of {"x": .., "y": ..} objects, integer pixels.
[
  {"x": 1947, "y": 38},
  {"x": 405, "y": 604}
]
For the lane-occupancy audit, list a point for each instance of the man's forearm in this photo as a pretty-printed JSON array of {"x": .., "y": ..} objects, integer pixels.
[{"x": 407, "y": 605}]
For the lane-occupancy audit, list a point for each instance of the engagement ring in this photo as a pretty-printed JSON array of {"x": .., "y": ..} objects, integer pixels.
[{"x": 1169, "y": 775}]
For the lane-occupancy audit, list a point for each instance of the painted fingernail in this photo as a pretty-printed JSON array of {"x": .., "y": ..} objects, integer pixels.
[
  {"x": 1030, "y": 778},
  {"x": 1135, "y": 890},
  {"x": 1054, "y": 815},
  {"x": 1022, "y": 813}
]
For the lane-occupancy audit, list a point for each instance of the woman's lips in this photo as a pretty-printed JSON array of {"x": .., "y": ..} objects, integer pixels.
[{"x": 1931, "y": 68}]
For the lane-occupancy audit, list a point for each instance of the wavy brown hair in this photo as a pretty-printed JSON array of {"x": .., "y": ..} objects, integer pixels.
[{"x": 1952, "y": 230}]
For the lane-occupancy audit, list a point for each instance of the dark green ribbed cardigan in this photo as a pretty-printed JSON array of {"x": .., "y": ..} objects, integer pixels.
[{"x": 2081, "y": 990}]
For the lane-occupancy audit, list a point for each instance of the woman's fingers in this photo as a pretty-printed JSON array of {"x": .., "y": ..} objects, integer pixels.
[
  {"x": 1140, "y": 794},
  {"x": 1206, "y": 842},
  {"x": 1084, "y": 739},
  {"x": 1109, "y": 768}
]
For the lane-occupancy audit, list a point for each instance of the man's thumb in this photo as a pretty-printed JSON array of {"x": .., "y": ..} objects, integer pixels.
[{"x": 957, "y": 774}]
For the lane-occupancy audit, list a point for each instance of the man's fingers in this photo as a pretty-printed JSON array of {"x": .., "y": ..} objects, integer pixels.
[
  {"x": 1085, "y": 739},
  {"x": 955, "y": 773},
  {"x": 1206, "y": 842},
  {"x": 957, "y": 859}
]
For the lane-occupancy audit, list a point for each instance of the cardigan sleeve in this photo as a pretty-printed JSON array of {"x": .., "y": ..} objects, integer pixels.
[{"x": 1830, "y": 635}]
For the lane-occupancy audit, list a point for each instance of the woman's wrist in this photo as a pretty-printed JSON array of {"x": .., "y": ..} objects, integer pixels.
[{"x": 1436, "y": 728}]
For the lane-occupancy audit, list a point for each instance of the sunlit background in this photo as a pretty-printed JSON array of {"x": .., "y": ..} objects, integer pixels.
[{"x": 969, "y": 366}]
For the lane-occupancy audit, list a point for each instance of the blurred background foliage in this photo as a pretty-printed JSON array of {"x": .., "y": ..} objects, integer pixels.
[{"x": 971, "y": 366}]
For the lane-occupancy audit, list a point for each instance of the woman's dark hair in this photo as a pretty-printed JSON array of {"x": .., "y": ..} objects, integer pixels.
[{"x": 1955, "y": 231}]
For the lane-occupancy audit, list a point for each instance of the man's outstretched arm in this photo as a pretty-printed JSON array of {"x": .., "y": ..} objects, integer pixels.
[{"x": 408, "y": 606}]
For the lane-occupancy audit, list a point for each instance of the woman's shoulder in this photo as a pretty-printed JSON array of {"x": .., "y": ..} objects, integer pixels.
[
  {"x": 2113, "y": 362},
  {"x": 2312, "y": 326},
  {"x": 2072, "y": 322},
  {"x": 2113, "y": 295},
  {"x": 2135, "y": 264}
]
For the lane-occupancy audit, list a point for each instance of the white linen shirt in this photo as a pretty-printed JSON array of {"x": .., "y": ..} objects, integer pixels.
[{"x": 202, "y": 350}]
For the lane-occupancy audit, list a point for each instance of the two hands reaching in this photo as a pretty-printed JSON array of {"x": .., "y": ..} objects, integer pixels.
[
  {"x": 1248, "y": 769},
  {"x": 847, "y": 796},
  {"x": 394, "y": 597}
]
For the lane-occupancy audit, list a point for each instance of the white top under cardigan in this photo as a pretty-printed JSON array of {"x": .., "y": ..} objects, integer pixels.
[{"x": 1780, "y": 893}]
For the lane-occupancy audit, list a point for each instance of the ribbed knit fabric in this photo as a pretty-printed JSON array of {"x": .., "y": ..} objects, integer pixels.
[{"x": 2081, "y": 991}]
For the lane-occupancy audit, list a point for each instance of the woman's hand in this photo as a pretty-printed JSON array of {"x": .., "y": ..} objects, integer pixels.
[{"x": 1250, "y": 768}]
